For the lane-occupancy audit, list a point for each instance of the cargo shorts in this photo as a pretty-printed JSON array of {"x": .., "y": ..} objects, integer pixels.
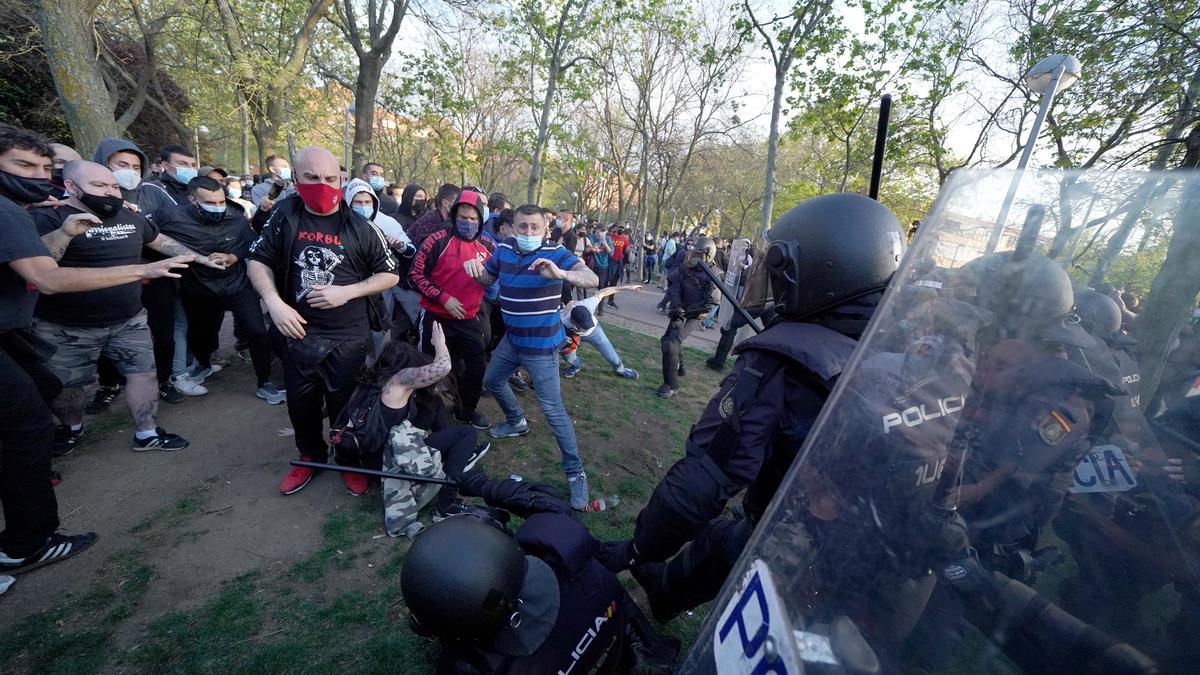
[{"x": 126, "y": 344}]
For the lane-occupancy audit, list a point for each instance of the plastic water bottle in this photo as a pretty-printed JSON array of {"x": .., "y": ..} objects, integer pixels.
[{"x": 601, "y": 504}]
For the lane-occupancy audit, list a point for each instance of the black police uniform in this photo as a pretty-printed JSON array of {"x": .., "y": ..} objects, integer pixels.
[
  {"x": 747, "y": 437},
  {"x": 690, "y": 295},
  {"x": 575, "y": 616}
]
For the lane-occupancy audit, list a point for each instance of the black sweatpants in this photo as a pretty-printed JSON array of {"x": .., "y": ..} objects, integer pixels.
[
  {"x": 464, "y": 340},
  {"x": 26, "y": 431},
  {"x": 319, "y": 372},
  {"x": 158, "y": 297},
  {"x": 672, "y": 349},
  {"x": 206, "y": 314},
  {"x": 456, "y": 443}
]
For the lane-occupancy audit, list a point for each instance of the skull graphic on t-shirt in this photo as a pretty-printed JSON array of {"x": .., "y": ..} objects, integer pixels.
[{"x": 316, "y": 268}]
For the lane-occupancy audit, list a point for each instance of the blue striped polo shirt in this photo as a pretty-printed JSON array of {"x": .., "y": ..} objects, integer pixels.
[{"x": 529, "y": 302}]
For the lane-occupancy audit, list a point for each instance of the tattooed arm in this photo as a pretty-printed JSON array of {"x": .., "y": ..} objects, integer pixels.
[
  {"x": 73, "y": 225},
  {"x": 397, "y": 390},
  {"x": 168, "y": 246}
]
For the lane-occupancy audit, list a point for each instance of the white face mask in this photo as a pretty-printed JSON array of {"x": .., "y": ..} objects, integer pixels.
[{"x": 128, "y": 179}]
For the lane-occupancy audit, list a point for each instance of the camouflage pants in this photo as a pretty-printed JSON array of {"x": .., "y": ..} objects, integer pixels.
[
  {"x": 406, "y": 452},
  {"x": 126, "y": 344}
]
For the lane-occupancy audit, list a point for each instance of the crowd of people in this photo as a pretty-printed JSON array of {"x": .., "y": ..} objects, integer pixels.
[{"x": 128, "y": 262}]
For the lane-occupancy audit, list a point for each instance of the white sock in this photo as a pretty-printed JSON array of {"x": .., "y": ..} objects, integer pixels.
[
  {"x": 143, "y": 435},
  {"x": 77, "y": 427}
]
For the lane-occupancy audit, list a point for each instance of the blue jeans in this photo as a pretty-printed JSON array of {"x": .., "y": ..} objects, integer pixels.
[
  {"x": 543, "y": 371},
  {"x": 600, "y": 341}
]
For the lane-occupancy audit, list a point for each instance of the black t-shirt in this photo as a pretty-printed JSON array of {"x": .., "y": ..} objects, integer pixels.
[
  {"x": 114, "y": 242},
  {"x": 319, "y": 258},
  {"x": 20, "y": 240},
  {"x": 393, "y": 416}
]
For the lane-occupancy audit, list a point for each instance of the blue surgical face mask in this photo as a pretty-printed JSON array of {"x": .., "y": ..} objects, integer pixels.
[
  {"x": 285, "y": 173},
  {"x": 465, "y": 228},
  {"x": 529, "y": 242},
  {"x": 233, "y": 194},
  {"x": 211, "y": 209},
  {"x": 377, "y": 183},
  {"x": 183, "y": 174},
  {"x": 364, "y": 211}
]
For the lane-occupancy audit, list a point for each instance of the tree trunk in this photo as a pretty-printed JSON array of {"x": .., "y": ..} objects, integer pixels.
[
  {"x": 69, "y": 40},
  {"x": 768, "y": 199},
  {"x": 543, "y": 133},
  {"x": 370, "y": 67}
]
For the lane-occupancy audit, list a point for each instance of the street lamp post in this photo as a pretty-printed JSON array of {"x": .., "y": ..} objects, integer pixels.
[{"x": 1047, "y": 77}]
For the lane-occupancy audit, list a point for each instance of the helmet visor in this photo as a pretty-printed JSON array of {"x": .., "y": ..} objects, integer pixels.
[{"x": 757, "y": 279}]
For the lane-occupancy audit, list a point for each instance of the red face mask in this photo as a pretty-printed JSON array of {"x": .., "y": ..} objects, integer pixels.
[{"x": 319, "y": 197}]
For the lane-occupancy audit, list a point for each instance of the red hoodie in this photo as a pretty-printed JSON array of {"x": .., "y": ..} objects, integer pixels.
[{"x": 438, "y": 271}]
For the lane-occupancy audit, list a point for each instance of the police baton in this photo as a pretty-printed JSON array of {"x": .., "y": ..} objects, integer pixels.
[
  {"x": 751, "y": 321},
  {"x": 372, "y": 472}
]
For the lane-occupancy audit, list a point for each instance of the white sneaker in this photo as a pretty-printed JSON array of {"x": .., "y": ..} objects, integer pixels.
[
  {"x": 187, "y": 386},
  {"x": 5, "y": 582}
]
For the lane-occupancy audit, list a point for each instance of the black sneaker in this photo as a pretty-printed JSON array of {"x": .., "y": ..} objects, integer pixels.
[
  {"x": 477, "y": 455},
  {"x": 665, "y": 392},
  {"x": 452, "y": 509},
  {"x": 65, "y": 440},
  {"x": 650, "y": 577},
  {"x": 58, "y": 547},
  {"x": 712, "y": 364},
  {"x": 613, "y": 304},
  {"x": 517, "y": 382},
  {"x": 160, "y": 441},
  {"x": 169, "y": 393},
  {"x": 477, "y": 420},
  {"x": 102, "y": 399},
  {"x": 682, "y": 372}
]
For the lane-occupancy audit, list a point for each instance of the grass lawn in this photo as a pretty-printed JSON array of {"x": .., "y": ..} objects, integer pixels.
[{"x": 157, "y": 597}]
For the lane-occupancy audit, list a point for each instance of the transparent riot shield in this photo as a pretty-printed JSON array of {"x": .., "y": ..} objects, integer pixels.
[{"x": 996, "y": 485}]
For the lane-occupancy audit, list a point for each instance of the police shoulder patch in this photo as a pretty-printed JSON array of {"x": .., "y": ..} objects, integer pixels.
[
  {"x": 1053, "y": 428},
  {"x": 726, "y": 406}
]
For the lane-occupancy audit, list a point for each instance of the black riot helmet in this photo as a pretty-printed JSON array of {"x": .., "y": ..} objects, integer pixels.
[
  {"x": 826, "y": 251},
  {"x": 462, "y": 577},
  {"x": 1098, "y": 313},
  {"x": 703, "y": 251},
  {"x": 1030, "y": 296}
]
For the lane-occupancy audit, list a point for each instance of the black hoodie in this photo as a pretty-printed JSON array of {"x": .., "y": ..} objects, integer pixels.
[
  {"x": 404, "y": 213},
  {"x": 149, "y": 197},
  {"x": 191, "y": 227}
]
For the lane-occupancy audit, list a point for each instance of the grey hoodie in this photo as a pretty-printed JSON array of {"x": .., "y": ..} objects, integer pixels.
[{"x": 149, "y": 198}]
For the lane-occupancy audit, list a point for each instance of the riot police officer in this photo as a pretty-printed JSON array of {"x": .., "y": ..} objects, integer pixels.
[
  {"x": 691, "y": 295},
  {"x": 829, "y": 260},
  {"x": 533, "y": 602}
]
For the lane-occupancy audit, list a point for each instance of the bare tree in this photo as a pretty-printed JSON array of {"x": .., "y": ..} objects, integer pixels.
[{"x": 372, "y": 45}]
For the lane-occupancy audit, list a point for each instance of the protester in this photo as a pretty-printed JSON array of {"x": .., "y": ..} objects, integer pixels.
[
  {"x": 397, "y": 416},
  {"x": 580, "y": 322},
  {"x": 601, "y": 248},
  {"x": 412, "y": 205},
  {"x": 451, "y": 298},
  {"x": 649, "y": 258},
  {"x": 673, "y": 256},
  {"x": 130, "y": 166},
  {"x": 233, "y": 192},
  {"x": 29, "y": 539},
  {"x": 216, "y": 228},
  {"x": 437, "y": 217},
  {"x": 531, "y": 275},
  {"x": 616, "y": 266},
  {"x": 111, "y": 321},
  {"x": 365, "y": 202},
  {"x": 376, "y": 176},
  {"x": 497, "y": 202},
  {"x": 62, "y": 155},
  {"x": 569, "y": 239},
  {"x": 319, "y": 267},
  {"x": 177, "y": 167},
  {"x": 275, "y": 186}
]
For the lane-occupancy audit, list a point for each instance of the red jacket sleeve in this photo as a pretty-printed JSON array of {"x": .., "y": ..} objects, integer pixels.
[{"x": 424, "y": 263}]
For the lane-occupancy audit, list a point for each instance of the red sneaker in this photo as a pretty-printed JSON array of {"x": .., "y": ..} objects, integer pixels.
[
  {"x": 355, "y": 483},
  {"x": 297, "y": 478}
]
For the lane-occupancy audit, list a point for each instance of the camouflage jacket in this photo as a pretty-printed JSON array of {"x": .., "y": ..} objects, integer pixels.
[{"x": 406, "y": 452}]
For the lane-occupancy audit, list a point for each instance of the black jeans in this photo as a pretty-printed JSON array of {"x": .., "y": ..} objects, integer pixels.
[
  {"x": 206, "y": 314},
  {"x": 464, "y": 340},
  {"x": 158, "y": 297},
  {"x": 26, "y": 431},
  {"x": 320, "y": 372},
  {"x": 672, "y": 349}
]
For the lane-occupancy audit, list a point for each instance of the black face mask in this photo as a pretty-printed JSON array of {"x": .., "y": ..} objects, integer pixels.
[
  {"x": 418, "y": 207},
  {"x": 104, "y": 207},
  {"x": 24, "y": 190}
]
